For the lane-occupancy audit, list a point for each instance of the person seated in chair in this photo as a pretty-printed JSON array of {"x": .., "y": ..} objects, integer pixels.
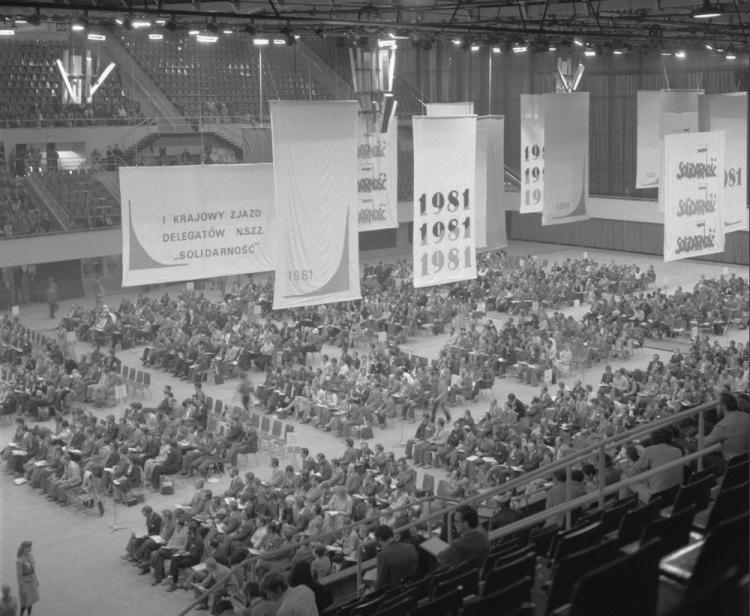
[{"x": 170, "y": 466}]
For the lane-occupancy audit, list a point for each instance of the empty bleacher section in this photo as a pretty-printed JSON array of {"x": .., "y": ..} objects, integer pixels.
[
  {"x": 222, "y": 80},
  {"x": 31, "y": 89},
  {"x": 88, "y": 204},
  {"x": 19, "y": 215}
]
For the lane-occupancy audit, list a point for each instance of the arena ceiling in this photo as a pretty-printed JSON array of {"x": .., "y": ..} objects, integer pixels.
[{"x": 639, "y": 22}]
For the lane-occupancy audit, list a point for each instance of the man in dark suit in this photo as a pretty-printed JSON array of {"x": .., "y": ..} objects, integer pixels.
[
  {"x": 471, "y": 544},
  {"x": 171, "y": 465},
  {"x": 396, "y": 559}
]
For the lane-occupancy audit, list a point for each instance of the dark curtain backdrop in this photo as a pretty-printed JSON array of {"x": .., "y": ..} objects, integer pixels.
[
  {"x": 621, "y": 235},
  {"x": 376, "y": 240},
  {"x": 67, "y": 275}
]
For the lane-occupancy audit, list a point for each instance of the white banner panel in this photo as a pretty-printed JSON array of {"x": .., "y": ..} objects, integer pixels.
[
  {"x": 532, "y": 153},
  {"x": 648, "y": 150},
  {"x": 693, "y": 194},
  {"x": 490, "y": 183},
  {"x": 728, "y": 113},
  {"x": 566, "y": 158},
  {"x": 192, "y": 222},
  {"x": 377, "y": 179},
  {"x": 315, "y": 179},
  {"x": 660, "y": 113},
  {"x": 444, "y": 216},
  {"x": 449, "y": 110}
]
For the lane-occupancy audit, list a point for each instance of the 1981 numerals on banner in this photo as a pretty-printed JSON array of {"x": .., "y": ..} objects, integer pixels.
[{"x": 443, "y": 236}]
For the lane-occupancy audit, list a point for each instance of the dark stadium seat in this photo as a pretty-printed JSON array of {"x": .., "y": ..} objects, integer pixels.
[
  {"x": 674, "y": 531},
  {"x": 509, "y": 572},
  {"x": 503, "y": 601},
  {"x": 634, "y": 521}
]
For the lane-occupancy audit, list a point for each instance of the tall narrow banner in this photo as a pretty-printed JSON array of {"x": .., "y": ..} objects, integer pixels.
[
  {"x": 660, "y": 113},
  {"x": 449, "y": 110},
  {"x": 377, "y": 179},
  {"x": 693, "y": 194},
  {"x": 315, "y": 180},
  {"x": 566, "y": 158},
  {"x": 444, "y": 211},
  {"x": 532, "y": 153},
  {"x": 490, "y": 183},
  {"x": 193, "y": 222},
  {"x": 728, "y": 113}
]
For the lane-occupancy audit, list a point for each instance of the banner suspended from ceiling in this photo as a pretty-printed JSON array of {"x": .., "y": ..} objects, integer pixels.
[
  {"x": 444, "y": 241},
  {"x": 377, "y": 179},
  {"x": 192, "y": 222},
  {"x": 693, "y": 195},
  {"x": 566, "y": 158},
  {"x": 449, "y": 110},
  {"x": 315, "y": 180},
  {"x": 490, "y": 183},
  {"x": 660, "y": 113},
  {"x": 728, "y": 113},
  {"x": 532, "y": 153}
]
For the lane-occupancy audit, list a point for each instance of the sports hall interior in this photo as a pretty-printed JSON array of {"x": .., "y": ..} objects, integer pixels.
[{"x": 172, "y": 99}]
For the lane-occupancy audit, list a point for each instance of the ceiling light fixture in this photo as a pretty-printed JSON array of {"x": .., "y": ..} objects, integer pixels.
[
  {"x": 707, "y": 11},
  {"x": 519, "y": 48},
  {"x": 680, "y": 54},
  {"x": 206, "y": 38},
  {"x": 496, "y": 50},
  {"x": 140, "y": 23},
  {"x": 578, "y": 42},
  {"x": 155, "y": 36},
  {"x": 260, "y": 42},
  {"x": 7, "y": 32},
  {"x": 93, "y": 36}
]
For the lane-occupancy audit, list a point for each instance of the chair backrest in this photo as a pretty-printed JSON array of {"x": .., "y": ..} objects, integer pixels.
[
  {"x": 146, "y": 379},
  {"x": 449, "y": 603},
  {"x": 209, "y": 402},
  {"x": 728, "y": 503},
  {"x": 131, "y": 375},
  {"x": 218, "y": 406},
  {"x": 428, "y": 483},
  {"x": 396, "y": 608},
  {"x": 666, "y": 496},
  {"x": 449, "y": 573},
  {"x": 265, "y": 423},
  {"x": 468, "y": 581},
  {"x": 736, "y": 474},
  {"x": 700, "y": 475},
  {"x": 510, "y": 572},
  {"x": 442, "y": 488},
  {"x": 727, "y": 543},
  {"x": 569, "y": 569},
  {"x": 542, "y": 539},
  {"x": 612, "y": 517},
  {"x": 674, "y": 531},
  {"x": 139, "y": 377},
  {"x": 276, "y": 430},
  {"x": 124, "y": 371},
  {"x": 368, "y": 607},
  {"x": 696, "y": 494},
  {"x": 634, "y": 521},
  {"x": 724, "y": 594},
  {"x": 503, "y": 601},
  {"x": 255, "y": 420},
  {"x": 577, "y": 539},
  {"x": 626, "y": 586}
]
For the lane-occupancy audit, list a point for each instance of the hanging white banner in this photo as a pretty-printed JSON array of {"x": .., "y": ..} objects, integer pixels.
[
  {"x": 532, "y": 153},
  {"x": 444, "y": 238},
  {"x": 192, "y": 222},
  {"x": 693, "y": 194},
  {"x": 449, "y": 110},
  {"x": 489, "y": 202},
  {"x": 566, "y": 158},
  {"x": 377, "y": 179},
  {"x": 728, "y": 113},
  {"x": 660, "y": 113},
  {"x": 315, "y": 179}
]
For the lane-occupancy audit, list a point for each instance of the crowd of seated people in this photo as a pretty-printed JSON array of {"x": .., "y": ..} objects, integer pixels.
[{"x": 18, "y": 215}]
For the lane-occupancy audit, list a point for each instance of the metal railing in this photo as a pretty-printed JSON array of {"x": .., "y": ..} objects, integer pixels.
[{"x": 575, "y": 458}]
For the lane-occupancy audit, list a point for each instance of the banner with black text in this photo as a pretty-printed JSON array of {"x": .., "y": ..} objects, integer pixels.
[
  {"x": 728, "y": 113},
  {"x": 566, "y": 158},
  {"x": 444, "y": 241},
  {"x": 377, "y": 179},
  {"x": 532, "y": 153},
  {"x": 693, "y": 186},
  {"x": 192, "y": 222},
  {"x": 315, "y": 180}
]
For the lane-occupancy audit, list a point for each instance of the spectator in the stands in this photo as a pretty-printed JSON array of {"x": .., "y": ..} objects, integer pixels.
[
  {"x": 471, "y": 542},
  {"x": 396, "y": 559},
  {"x": 732, "y": 430},
  {"x": 659, "y": 452}
]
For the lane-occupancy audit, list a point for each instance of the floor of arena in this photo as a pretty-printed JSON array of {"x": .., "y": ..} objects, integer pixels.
[{"x": 77, "y": 557}]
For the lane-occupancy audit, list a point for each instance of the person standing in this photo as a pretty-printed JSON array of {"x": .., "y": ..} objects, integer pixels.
[
  {"x": 8, "y": 604},
  {"x": 50, "y": 295},
  {"x": 28, "y": 585}
]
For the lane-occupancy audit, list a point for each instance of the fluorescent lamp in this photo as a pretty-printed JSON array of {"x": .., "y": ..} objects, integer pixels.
[
  {"x": 141, "y": 24},
  {"x": 666, "y": 53},
  {"x": 730, "y": 55},
  {"x": 496, "y": 50},
  {"x": 456, "y": 42},
  {"x": 618, "y": 52},
  {"x": 193, "y": 32},
  {"x": 387, "y": 44},
  {"x": 96, "y": 37},
  {"x": 709, "y": 47},
  {"x": 279, "y": 41},
  {"x": 21, "y": 21},
  {"x": 206, "y": 38},
  {"x": 552, "y": 48},
  {"x": 64, "y": 74},
  {"x": 519, "y": 48},
  {"x": 77, "y": 27},
  {"x": 7, "y": 32},
  {"x": 160, "y": 22},
  {"x": 155, "y": 36},
  {"x": 707, "y": 11},
  {"x": 228, "y": 31},
  {"x": 589, "y": 52},
  {"x": 102, "y": 77},
  {"x": 475, "y": 47},
  {"x": 680, "y": 54},
  {"x": 578, "y": 42},
  {"x": 260, "y": 42}
]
